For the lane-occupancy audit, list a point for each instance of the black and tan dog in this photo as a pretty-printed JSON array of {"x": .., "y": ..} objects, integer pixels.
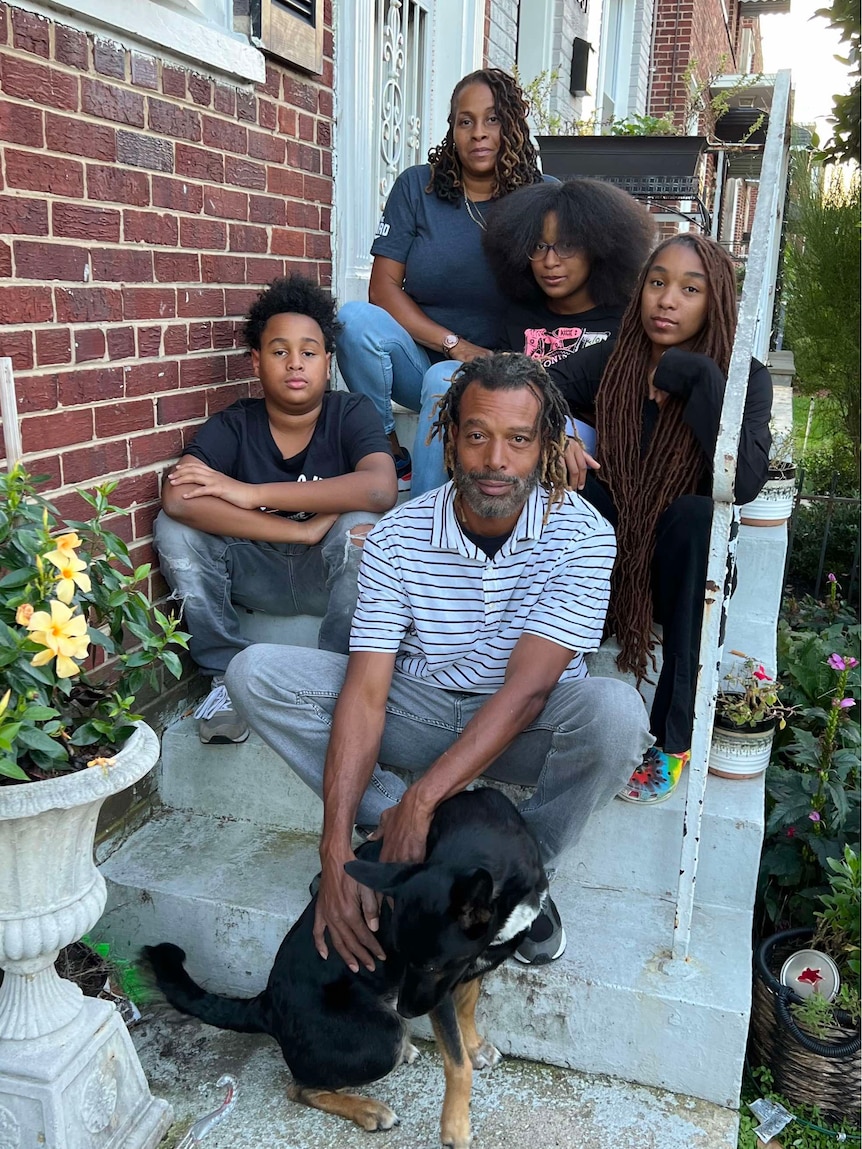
[{"x": 451, "y": 918}]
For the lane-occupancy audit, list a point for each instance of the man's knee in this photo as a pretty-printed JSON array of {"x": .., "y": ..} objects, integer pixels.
[
  {"x": 617, "y": 706},
  {"x": 250, "y": 672}
]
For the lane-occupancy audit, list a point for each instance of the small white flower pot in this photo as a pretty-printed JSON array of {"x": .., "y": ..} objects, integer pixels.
[
  {"x": 69, "y": 1074},
  {"x": 774, "y": 505},
  {"x": 740, "y": 751}
]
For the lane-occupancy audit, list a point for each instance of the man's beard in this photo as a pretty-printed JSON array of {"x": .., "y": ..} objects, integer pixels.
[{"x": 493, "y": 506}]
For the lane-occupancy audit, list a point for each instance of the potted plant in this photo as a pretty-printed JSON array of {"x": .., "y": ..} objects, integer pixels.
[
  {"x": 656, "y": 152},
  {"x": 747, "y": 713},
  {"x": 774, "y": 504},
  {"x": 805, "y": 1018},
  {"x": 78, "y": 640}
]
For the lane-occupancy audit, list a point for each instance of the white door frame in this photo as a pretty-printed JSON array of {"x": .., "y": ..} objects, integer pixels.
[{"x": 454, "y": 49}]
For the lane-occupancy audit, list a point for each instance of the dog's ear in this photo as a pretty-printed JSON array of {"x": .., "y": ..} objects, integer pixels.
[
  {"x": 384, "y": 877},
  {"x": 470, "y": 902}
]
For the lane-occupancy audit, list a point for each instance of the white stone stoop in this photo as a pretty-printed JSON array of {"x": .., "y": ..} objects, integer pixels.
[{"x": 223, "y": 870}]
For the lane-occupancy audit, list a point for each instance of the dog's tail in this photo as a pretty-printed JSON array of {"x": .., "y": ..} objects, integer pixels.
[{"x": 245, "y": 1015}]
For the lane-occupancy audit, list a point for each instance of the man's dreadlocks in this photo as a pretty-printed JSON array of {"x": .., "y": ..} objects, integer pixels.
[
  {"x": 516, "y": 160},
  {"x": 643, "y": 488},
  {"x": 510, "y": 371}
]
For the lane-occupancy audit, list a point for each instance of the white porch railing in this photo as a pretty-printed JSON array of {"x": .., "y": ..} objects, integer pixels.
[{"x": 752, "y": 338}]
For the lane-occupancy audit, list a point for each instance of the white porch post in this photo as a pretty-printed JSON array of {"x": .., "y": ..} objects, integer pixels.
[{"x": 752, "y": 336}]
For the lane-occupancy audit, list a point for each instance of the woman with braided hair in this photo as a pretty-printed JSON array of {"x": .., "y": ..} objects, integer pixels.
[
  {"x": 656, "y": 396},
  {"x": 432, "y": 295}
]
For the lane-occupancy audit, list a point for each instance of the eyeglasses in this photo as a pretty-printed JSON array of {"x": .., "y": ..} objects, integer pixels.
[{"x": 562, "y": 250}]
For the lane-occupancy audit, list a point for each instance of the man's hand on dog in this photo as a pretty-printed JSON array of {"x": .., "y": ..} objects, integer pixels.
[
  {"x": 350, "y": 913},
  {"x": 404, "y": 830}
]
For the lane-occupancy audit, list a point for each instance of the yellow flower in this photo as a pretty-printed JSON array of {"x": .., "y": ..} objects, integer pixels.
[
  {"x": 70, "y": 575},
  {"x": 66, "y": 544},
  {"x": 71, "y": 568},
  {"x": 23, "y": 614},
  {"x": 64, "y": 636}
]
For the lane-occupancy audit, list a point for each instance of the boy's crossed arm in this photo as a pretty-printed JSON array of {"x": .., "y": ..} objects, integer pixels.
[{"x": 210, "y": 501}]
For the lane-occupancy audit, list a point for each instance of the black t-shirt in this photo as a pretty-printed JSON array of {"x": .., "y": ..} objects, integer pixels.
[
  {"x": 550, "y": 337},
  {"x": 698, "y": 382},
  {"x": 238, "y": 442}
]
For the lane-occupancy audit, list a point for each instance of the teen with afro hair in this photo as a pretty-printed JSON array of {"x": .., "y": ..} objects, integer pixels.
[
  {"x": 268, "y": 506},
  {"x": 568, "y": 257},
  {"x": 656, "y": 396},
  {"x": 432, "y": 296}
]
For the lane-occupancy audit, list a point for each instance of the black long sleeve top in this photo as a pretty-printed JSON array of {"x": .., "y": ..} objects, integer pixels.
[{"x": 698, "y": 381}]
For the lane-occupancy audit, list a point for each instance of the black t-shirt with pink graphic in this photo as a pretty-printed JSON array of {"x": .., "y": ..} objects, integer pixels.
[{"x": 551, "y": 338}]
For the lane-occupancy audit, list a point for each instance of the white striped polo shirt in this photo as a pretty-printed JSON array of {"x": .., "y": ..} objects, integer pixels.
[{"x": 453, "y": 615}]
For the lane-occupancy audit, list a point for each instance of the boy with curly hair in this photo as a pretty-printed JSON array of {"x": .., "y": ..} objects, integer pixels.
[{"x": 268, "y": 506}]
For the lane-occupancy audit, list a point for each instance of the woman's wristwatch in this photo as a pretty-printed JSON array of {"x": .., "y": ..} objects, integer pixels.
[{"x": 449, "y": 343}]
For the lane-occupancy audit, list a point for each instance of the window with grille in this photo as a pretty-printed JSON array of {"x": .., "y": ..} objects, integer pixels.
[{"x": 400, "y": 84}]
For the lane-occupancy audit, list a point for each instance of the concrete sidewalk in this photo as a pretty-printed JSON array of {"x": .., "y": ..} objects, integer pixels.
[{"x": 520, "y": 1103}]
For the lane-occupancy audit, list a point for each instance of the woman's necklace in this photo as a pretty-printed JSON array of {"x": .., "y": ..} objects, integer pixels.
[{"x": 474, "y": 213}]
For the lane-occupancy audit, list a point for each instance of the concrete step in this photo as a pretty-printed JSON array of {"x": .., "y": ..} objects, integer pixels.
[
  {"x": 227, "y": 891},
  {"x": 625, "y": 847},
  {"x": 518, "y": 1102}
]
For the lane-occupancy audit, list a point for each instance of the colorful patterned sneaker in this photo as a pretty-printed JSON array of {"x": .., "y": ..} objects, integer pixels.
[
  {"x": 546, "y": 939},
  {"x": 656, "y": 778},
  {"x": 404, "y": 469},
  {"x": 219, "y": 722}
]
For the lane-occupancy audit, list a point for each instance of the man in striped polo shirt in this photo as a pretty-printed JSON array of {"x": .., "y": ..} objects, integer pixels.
[{"x": 477, "y": 603}]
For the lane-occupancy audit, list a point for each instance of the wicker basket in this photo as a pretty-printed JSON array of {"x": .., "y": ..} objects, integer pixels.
[{"x": 824, "y": 1072}]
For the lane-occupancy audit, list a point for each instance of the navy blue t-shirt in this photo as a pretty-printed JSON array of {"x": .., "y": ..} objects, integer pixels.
[
  {"x": 446, "y": 270},
  {"x": 238, "y": 442}
]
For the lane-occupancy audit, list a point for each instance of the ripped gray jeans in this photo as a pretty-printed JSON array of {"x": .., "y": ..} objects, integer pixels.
[{"x": 214, "y": 574}]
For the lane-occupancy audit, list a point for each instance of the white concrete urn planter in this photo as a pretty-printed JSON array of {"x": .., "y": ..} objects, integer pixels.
[
  {"x": 69, "y": 1075},
  {"x": 740, "y": 751},
  {"x": 774, "y": 505}
]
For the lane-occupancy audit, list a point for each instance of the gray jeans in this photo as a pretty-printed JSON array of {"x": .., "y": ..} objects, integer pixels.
[
  {"x": 213, "y": 574},
  {"x": 578, "y": 753}
]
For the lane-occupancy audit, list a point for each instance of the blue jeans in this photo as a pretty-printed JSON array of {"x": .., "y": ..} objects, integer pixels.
[
  {"x": 213, "y": 574},
  {"x": 576, "y": 756},
  {"x": 428, "y": 469},
  {"x": 377, "y": 358}
]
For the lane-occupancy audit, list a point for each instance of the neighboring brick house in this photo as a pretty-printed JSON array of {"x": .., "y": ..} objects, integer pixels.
[{"x": 143, "y": 202}]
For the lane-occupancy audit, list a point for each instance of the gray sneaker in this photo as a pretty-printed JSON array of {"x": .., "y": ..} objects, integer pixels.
[
  {"x": 546, "y": 940},
  {"x": 219, "y": 722}
]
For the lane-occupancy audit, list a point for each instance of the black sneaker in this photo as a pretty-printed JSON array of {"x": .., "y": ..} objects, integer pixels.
[
  {"x": 546, "y": 940},
  {"x": 404, "y": 469}
]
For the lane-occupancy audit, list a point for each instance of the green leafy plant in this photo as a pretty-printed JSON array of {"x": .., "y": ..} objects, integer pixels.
[
  {"x": 78, "y": 637},
  {"x": 808, "y": 1130},
  {"x": 812, "y": 784},
  {"x": 749, "y": 696},
  {"x": 540, "y": 90}
]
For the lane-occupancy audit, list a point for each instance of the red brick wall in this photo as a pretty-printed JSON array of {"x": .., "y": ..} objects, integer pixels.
[
  {"x": 689, "y": 32},
  {"x": 142, "y": 205}
]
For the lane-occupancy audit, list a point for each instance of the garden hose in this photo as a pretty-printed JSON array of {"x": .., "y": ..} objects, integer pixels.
[{"x": 785, "y": 996}]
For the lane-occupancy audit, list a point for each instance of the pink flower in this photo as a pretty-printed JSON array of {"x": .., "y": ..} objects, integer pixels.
[
  {"x": 831, "y": 578},
  {"x": 791, "y": 831},
  {"x": 845, "y": 703},
  {"x": 760, "y": 674},
  {"x": 839, "y": 662},
  {"x": 814, "y": 816}
]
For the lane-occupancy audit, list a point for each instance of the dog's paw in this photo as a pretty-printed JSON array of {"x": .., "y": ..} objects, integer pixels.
[
  {"x": 373, "y": 1115},
  {"x": 457, "y": 1142},
  {"x": 409, "y": 1053},
  {"x": 485, "y": 1056}
]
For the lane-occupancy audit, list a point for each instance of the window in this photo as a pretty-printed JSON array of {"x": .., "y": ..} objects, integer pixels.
[
  {"x": 292, "y": 30},
  {"x": 200, "y": 31}
]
